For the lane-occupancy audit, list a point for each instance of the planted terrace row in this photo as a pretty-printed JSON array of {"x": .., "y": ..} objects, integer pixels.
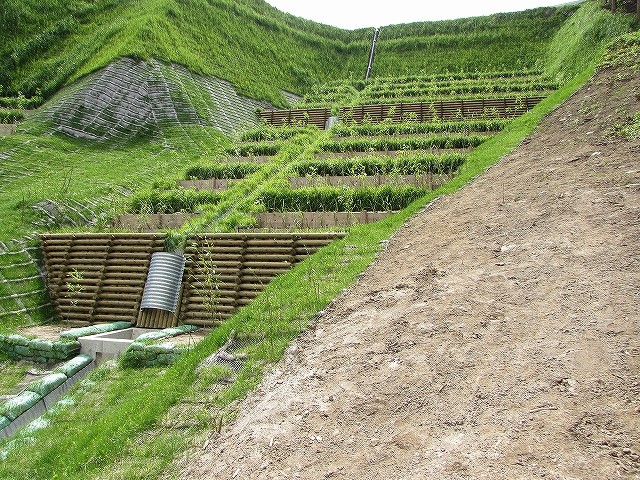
[
  {"x": 515, "y": 84},
  {"x": 344, "y": 177},
  {"x": 348, "y": 87},
  {"x": 270, "y": 133},
  {"x": 450, "y": 96},
  {"x": 426, "y": 88},
  {"x": 365, "y": 144},
  {"x": 426, "y": 93},
  {"x": 407, "y": 164},
  {"x": 11, "y": 115}
]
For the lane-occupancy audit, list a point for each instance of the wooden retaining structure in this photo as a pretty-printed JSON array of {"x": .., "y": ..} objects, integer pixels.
[
  {"x": 298, "y": 116},
  {"x": 431, "y": 180},
  {"x": 96, "y": 278},
  {"x": 304, "y": 220},
  {"x": 152, "y": 222},
  {"x": 212, "y": 184},
  {"x": 226, "y": 271},
  {"x": 445, "y": 110}
]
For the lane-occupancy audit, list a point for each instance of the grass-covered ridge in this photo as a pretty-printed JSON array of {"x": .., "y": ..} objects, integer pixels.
[{"x": 249, "y": 43}]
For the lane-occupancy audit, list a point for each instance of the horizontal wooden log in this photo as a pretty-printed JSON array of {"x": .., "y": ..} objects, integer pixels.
[
  {"x": 210, "y": 316},
  {"x": 216, "y": 300},
  {"x": 113, "y": 317},
  {"x": 123, "y": 310},
  {"x": 252, "y": 287}
]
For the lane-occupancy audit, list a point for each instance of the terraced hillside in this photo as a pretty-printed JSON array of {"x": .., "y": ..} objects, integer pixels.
[
  {"x": 157, "y": 127},
  {"x": 366, "y": 166}
]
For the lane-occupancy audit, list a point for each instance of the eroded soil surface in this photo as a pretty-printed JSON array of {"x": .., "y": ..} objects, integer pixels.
[{"x": 496, "y": 338}]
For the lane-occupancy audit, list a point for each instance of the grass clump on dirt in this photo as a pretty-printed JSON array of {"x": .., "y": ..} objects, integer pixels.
[{"x": 12, "y": 374}]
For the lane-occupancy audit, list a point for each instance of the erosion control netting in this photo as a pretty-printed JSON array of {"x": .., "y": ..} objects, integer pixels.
[
  {"x": 22, "y": 294},
  {"x": 129, "y": 98}
]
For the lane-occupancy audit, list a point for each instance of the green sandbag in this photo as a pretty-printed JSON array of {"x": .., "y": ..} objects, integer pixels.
[
  {"x": 166, "y": 347},
  {"x": 74, "y": 365},
  {"x": 66, "y": 347},
  {"x": 15, "y": 339},
  {"x": 47, "y": 384},
  {"x": 166, "y": 333},
  {"x": 4, "y": 422},
  {"x": 41, "y": 345},
  {"x": 150, "y": 336},
  {"x": 75, "y": 333},
  {"x": 19, "y": 404}
]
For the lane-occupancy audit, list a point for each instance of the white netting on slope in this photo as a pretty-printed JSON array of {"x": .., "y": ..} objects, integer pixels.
[{"x": 130, "y": 98}]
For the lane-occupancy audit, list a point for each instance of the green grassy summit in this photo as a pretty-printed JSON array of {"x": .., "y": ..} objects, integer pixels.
[{"x": 249, "y": 43}]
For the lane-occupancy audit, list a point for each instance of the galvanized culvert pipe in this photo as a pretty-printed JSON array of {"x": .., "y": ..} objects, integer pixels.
[
  {"x": 372, "y": 54},
  {"x": 162, "y": 288}
]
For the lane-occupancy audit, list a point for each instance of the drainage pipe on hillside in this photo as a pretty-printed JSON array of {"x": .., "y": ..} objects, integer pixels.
[{"x": 373, "y": 52}]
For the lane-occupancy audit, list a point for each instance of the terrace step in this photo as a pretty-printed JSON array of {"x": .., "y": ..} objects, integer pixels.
[
  {"x": 418, "y": 111},
  {"x": 304, "y": 220}
]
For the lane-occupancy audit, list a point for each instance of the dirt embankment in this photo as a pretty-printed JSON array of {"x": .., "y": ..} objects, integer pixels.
[{"x": 496, "y": 338}]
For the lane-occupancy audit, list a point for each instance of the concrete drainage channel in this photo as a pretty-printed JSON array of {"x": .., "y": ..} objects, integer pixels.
[
  {"x": 98, "y": 343},
  {"x": 105, "y": 346}
]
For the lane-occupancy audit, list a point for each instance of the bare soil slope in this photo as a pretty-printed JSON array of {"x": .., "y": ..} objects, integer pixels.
[{"x": 497, "y": 337}]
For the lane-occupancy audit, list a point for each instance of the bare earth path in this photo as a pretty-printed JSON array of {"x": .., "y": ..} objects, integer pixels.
[{"x": 496, "y": 338}]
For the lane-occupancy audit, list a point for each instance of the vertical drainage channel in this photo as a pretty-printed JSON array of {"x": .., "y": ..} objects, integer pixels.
[
  {"x": 161, "y": 291},
  {"x": 376, "y": 33}
]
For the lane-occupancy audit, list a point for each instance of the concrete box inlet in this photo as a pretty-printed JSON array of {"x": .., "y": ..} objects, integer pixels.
[{"x": 105, "y": 346}]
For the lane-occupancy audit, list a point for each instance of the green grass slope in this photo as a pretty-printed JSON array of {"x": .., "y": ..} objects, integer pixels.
[
  {"x": 255, "y": 47},
  {"x": 504, "y": 41},
  {"x": 249, "y": 43}
]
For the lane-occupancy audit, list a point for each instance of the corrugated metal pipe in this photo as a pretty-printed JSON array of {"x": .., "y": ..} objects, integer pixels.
[{"x": 162, "y": 288}]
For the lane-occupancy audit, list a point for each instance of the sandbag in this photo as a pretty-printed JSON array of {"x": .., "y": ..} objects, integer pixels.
[
  {"x": 47, "y": 384},
  {"x": 19, "y": 404},
  {"x": 74, "y": 365}
]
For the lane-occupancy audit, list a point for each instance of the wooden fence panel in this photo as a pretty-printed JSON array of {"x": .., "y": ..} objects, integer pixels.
[
  {"x": 305, "y": 116},
  {"x": 302, "y": 220},
  {"x": 447, "y": 110}
]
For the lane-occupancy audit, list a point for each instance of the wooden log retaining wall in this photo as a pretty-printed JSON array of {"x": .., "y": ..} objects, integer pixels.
[
  {"x": 420, "y": 111},
  {"x": 431, "y": 180},
  {"x": 97, "y": 278},
  {"x": 152, "y": 222},
  {"x": 226, "y": 271},
  {"x": 441, "y": 110},
  {"x": 94, "y": 278},
  {"x": 304, "y": 116},
  {"x": 212, "y": 184}
]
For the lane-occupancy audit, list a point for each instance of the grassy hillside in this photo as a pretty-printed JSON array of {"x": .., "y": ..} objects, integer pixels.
[
  {"x": 502, "y": 41},
  {"x": 249, "y": 43}
]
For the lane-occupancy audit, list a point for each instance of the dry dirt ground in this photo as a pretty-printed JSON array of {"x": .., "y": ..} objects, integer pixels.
[{"x": 496, "y": 338}]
